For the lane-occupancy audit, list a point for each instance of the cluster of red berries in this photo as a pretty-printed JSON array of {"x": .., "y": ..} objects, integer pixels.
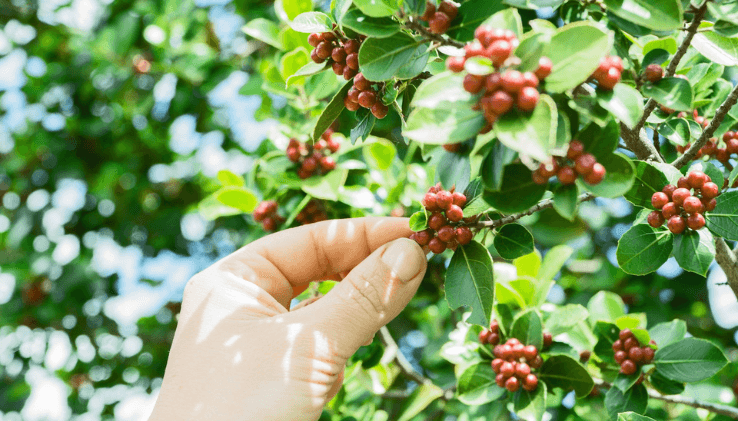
[
  {"x": 682, "y": 209},
  {"x": 513, "y": 364},
  {"x": 630, "y": 354},
  {"x": 266, "y": 213},
  {"x": 447, "y": 227},
  {"x": 439, "y": 19},
  {"x": 608, "y": 73},
  {"x": 314, "y": 211},
  {"x": 312, "y": 158},
  {"x": 364, "y": 94},
  {"x": 492, "y": 335},
  {"x": 342, "y": 56},
  {"x": 653, "y": 73},
  {"x": 504, "y": 89},
  {"x": 568, "y": 168},
  {"x": 712, "y": 148}
]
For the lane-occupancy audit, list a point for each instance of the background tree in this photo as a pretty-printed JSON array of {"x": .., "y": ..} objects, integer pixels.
[{"x": 141, "y": 141}]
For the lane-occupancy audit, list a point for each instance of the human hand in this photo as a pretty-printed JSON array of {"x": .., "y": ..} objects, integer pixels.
[{"x": 239, "y": 353}]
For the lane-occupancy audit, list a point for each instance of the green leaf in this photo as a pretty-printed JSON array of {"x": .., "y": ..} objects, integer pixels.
[
  {"x": 476, "y": 207},
  {"x": 617, "y": 401},
  {"x": 422, "y": 396},
  {"x": 476, "y": 385},
  {"x": 600, "y": 141},
  {"x": 228, "y": 178},
  {"x": 364, "y": 127},
  {"x": 532, "y": 134},
  {"x": 664, "y": 15},
  {"x": 566, "y": 317},
  {"x": 378, "y": 8},
  {"x": 672, "y": 92},
  {"x": 471, "y": 15},
  {"x": 528, "y": 328},
  {"x": 606, "y": 306},
  {"x": 531, "y": 50},
  {"x": 339, "y": 8},
  {"x": 326, "y": 187},
  {"x": 438, "y": 126},
  {"x": 381, "y": 58},
  {"x": 625, "y": 382},
  {"x": 453, "y": 169},
  {"x": 418, "y": 221},
  {"x": 657, "y": 56},
  {"x": 265, "y": 31},
  {"x": 366, "y": 25},
  {"x": 479, "y": 65},
  {"x": 470, "y": 282},
  {"x": 530, "y": 406},
  {"x": 383, "y": 153},
  {"x": 732, "y": 177},
  {"x": 642, "y": 249},
  {"x": 664, "y": 385},
  {"x": 648, "y": 180},
  {"x": 565, "y": 200},
  {"x": 624, "y": 102},
  {"x": 554, "y": 261},
  {"x": 717, "y": 48},
  {"x": 310, "y": 22},
  {"x": 695, "y": 251},
  {"x": 668, "y": 332},
  {"x": 211, "y": 208},
  {"x": 565, "y": 372},
  {"x": 575, "y": 50},
  {"x": 237, "y": 197},
  {"x": 529, "y": 265},
  {"x": 309, "y": 69},
  {"x": 414, "y": 66},
  {"x": 290, "y": 9},
  {"x": 689, "y": 360},
  {"x": 293, "y": 62},
  {"x": 331, "y": 111},
  {"x": 668, "y": 45},
  {"x": 507, "y": 19},
  {"x": 534, "y": 4},
  {"x": 513, "y": 241},
  {"x": 494, "y": 164},
  {"x": 518, "y": 191},
  {"x": 618, "y": 180},
  {"x": 607, "y": 333},
  {"x": 723, "y": 220},
  {"x": 680, "y": 131}
]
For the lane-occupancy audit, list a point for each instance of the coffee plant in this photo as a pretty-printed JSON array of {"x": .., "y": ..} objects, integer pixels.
[{"x": 509, "y": 133}]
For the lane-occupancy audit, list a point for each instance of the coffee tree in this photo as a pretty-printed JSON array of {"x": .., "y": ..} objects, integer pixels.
[{"x": 497, "y": 115}]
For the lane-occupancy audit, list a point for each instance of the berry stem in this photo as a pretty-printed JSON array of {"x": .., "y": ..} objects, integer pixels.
[{"x": 544, "y": 204}]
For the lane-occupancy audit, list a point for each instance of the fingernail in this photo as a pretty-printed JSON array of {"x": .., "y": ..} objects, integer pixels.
[{"x": 405, "y": 259}]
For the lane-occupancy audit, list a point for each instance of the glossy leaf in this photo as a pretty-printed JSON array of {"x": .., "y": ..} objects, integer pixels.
[
  {"x": 513, "y": 241},
  {"x": 671, "y": 92},
  {"x": 695, "y": 250},
  {"x": 532, "y": 134},
  {"x": 531, "y": 406},
  {"x": 381, "y": 58},
  {"x": 518, "y": 191},
  {"x": 470, "y": 282},
  {"x": 624, "y": 102},
  {"x": 265, "y": 31},
  {"x": 619, "y": 178},
  {"x": 689, "y": 360},
  {"x": 717, "y": 48},
  {"x": 367, "y": 25},
  {"x": 310, "y": 22},
  {"x": 664, "y": 15},
  {"x": 528, "y": 328},
  {"x": 566, "y": 200},
  {"x": 331, "y": 111},
  {"x": 237, "y": 197},
  {"x": 419, "y": 221},
  {"x": 668, "y": 332},
  {"x": 723, "y": 220},
  {"x": 648, "y": 180},
  {"x": 642, "y": 249},
  {"x": 617, "y": 401},
  {"x": 476, "y": 385},
  {"x": 566, "y": 373}
]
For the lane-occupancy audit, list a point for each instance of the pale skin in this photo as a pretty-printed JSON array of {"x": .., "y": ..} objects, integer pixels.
[{"x": 239, "y": 353}]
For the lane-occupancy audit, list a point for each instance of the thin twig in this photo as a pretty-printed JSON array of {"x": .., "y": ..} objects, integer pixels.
[
  {"x": 725, "y": 410},
  {"x": 544, "y": 204},
  {"x": 656, "y": 142},
  {"x": 720, "y": 114},
  {"x": 671, "y": 68}
]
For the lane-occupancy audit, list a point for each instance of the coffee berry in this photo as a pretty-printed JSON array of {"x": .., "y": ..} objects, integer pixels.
[
  {"x": 340, "y": 53},
  {"x": 447, "y": 227},
  {"x": 683, "y": 206},
  {"x": 719, "y": 150},
  {"x": 313, "y": 159},
  {"x": 514, "y": 363},
  {"x": 266, "y": 214},
  {"x": 492, "y": 335},
  {"x": 608, "y": 73},
  {"x": 439, "y": 19},
  {"x": 576, "y": 163},
  {"x": 629, "y": 353},
  {"x": 313, "y": 212},
  {"x": 365, "y": 94},
  {"x": 653, "y": 73}
]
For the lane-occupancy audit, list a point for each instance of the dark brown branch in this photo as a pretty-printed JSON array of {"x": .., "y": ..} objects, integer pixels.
[
  {"x": 727, "y": 260},
  {"x": 544, "y": 204},
  {"x": 639, "y": 144},
  {"x": 725, "y": 410},
  {"x": 671, "y": 68},
  {"x": 720, "y": 114}
]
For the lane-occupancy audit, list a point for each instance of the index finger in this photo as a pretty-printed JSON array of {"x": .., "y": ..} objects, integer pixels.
[{"x": 290, "y": 259}]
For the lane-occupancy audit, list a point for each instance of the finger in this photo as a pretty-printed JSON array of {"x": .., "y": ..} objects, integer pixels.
[
  {"x": 282, "y": 261},
  {"x": 336, "y": 386},
  {"x": 372, "y": 294}
]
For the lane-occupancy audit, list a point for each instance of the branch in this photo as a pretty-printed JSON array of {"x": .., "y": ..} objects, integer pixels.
[
  {"x": 544, "y": 204},
  {"x": 725, "y": 410},
  {"x": 720, "y": 114},
  {"x": 671, "y": 69},
  {"x": 728, "y": 262},
  {"x": 639, "y": 144},
  {"x": 414, "y": 25}
]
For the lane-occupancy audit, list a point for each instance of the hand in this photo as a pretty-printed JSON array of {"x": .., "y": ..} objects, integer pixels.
[{"x": 240, "y": 354}]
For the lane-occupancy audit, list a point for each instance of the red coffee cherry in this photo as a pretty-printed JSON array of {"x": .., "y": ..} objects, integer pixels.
[
  {"x": 656, "y": 219},
  {"x": 669, "y": 190},
  {"x": 338, "y": 55},
  {"x": 530, "y": 79},
  {"x": 361, "y": 83},
  {"x": 499, "y": 51},
  {"x": 444, "y": 199},
  {"x": 454, "y": 213},
  {"x": 493, "y": 82},
  {"x": 522, "y": 370},
  {"x": 697, "y": 179},
  {"x": 450, "y": 9},
  {"x": 692, "y": 205},
  {"x": 710, "y": 190},
  {"x": 269, "y": 224},
  {"x": 585, "y": 163},
  {"x": 473, "y": 83},
  {"x": 731, "y": 146},
  {"x": 494, "y": 326},
  {"x": 423, "y": 237},
  {"x": 475, "y": 49},
  {"x": 659, "y": 199},
  {"x": 464, "y": 235},
  {"x": 348, "y": 73},
  {"x": 483, "y": 335},
  {"x": 439, "y": 23},
  {"x": 576, "y": 148},
  {"x": 648, "y": 354},
  {"x": 630, "y": 343},
  {"x": 653, "y": 73},
  {"x": 327, "y": 163},
  {"x": 314, "y": 39},
  {"x": 500, "y": 380},
  {"x": 536, "y": 363},
  {"x": 455, "y": 64},
  {"x": 352, "y": 61},
  {"x": 625, "y": 334},
  {"x": 496, "y": 363},
  {"x": 710, "y": 204},
  {"x": 683, "y": 183},
  {"x": 636, "y": 354},
  {"x": 513, "y": 81},
  {"x": 611, "y": 79},
  {"x": 677, "y": 224},
  {"x": 620, "y": 356},
  {"x": 547, "y": 339},
  {"x": 531, "y": 382},
  {"x": 437, "y": 246},
  {"x": 501, "y": 102},
  {"x": 436, "y": 221},
  {"x": 696, "y": 221},
  {"x": 530, "y": 352},
  {"x": 507, "y": 369},
  {"x": 539, "y": 178},
  {"x": 597, "y": 174},
  {"x": 679, "y": 196},
  {"x": 617, "y": 345},
  {"x": 367, "y": 99},
  {"x": 566, "y": 175},
  {"x": 351, "y": 46},
  {"x": 459, "y": 199},
  {"x": 584, "y": 356},
  {"x": 430, "y": 10},
  {"x": 446, "y": 233},
  {"x": 379, "y": 110},
  {"x": 310, "y": 164},
  {"x": 512, "y": 384},
  {"x": 429, "y": 201},
  {"x": 528, "y": 99},
  {"x": 545, "y": 66},
  {"x": 628, "y": 367}
]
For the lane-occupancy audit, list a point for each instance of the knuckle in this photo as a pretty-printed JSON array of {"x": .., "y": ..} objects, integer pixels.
[{"x": 366, "y": 295}]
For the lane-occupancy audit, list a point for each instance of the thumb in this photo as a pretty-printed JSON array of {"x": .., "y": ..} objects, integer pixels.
[{"x": 371, "y": 295}]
